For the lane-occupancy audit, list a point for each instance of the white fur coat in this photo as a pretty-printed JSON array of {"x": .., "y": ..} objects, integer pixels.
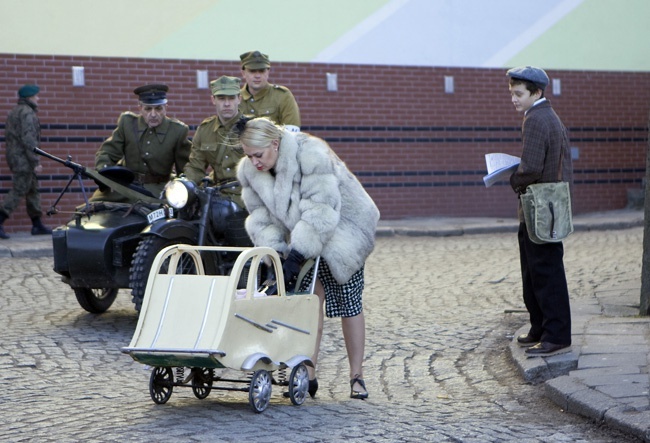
[{"x": 313, "y": 204}]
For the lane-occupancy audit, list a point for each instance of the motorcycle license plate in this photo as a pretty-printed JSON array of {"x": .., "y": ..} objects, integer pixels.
[{"x": 158, "y": 214}]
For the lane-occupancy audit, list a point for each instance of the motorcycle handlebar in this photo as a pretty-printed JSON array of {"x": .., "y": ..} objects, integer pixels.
[
  {"x": 205, "y": 183},
  {"x": 228, "y": 184}
]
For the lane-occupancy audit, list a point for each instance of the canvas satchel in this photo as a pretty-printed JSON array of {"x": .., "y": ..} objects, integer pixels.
[{"x": 547, "y": 212}]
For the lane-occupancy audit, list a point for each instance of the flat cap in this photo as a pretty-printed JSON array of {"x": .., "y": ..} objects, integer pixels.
[
  {"x": 153, "y": 95},
  {"x": 225, "y": 85},
  {"x": 531, "y": 74},
  {"x": 28, "y": 91},
  {"x": 255, "y": 60}
]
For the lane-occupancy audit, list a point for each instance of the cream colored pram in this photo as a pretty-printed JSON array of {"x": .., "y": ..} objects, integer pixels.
[{"x": 192, "y": 326}]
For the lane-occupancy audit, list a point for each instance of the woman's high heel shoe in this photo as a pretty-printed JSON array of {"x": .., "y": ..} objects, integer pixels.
[
  {"x": 361, "y": 395},
  {"x": 313, "y": 387}
]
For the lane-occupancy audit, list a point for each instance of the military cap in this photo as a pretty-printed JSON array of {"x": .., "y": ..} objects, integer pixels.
[
  {"x": 531, "y": 74},
  {"x": 152, "y": 94},
  {"x": 28, "y": 91},
  {"x": 255, "y": 60},
  {"x": 225, "y": 85}
]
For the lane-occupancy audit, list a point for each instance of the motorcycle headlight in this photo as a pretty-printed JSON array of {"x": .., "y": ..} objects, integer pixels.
[{"x": 179, "y": 193}]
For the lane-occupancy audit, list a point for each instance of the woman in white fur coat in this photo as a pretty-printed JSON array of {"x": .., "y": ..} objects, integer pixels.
[{"x": 304, "y": 202}]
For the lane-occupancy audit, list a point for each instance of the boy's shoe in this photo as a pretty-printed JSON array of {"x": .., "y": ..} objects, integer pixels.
[
  {"x": 546, "y": 349},
  {"x": 527, "y": 340}
]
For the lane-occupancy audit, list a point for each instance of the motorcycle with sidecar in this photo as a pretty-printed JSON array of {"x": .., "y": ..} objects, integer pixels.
[
  {"x": 195, "y": 215},
  {"x": 107, "y": 246}
]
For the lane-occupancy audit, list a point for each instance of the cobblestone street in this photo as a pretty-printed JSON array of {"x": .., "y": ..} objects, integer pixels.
[{"x": 440, "y": 312}]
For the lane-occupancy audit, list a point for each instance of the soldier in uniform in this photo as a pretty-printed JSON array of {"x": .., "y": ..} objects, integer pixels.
[
  {"x": 262, "y": 99},
  {"x": 214, "y": 144},
  {"x": 22, "y": 135},
  {"x": 150, "y": 144}
]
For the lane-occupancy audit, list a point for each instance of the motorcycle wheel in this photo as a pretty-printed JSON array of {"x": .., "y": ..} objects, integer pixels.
[
  {"x": 142, "y": 260},
  {"x": 95, "y": 300}
]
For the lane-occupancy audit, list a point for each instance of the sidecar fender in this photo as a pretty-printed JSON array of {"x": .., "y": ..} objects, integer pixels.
[{"x": 173, "y": 228}]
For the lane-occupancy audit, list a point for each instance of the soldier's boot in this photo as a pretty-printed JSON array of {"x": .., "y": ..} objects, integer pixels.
[
  {"x": 3, "y": 235},
  {"x": 38, "y": 228}
]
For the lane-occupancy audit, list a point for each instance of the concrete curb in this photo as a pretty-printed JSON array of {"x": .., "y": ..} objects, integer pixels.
[{"x": 577, "y": 398}]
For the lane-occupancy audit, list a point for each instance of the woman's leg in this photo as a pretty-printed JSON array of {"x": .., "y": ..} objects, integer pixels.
[
  {"x": 320, "y": 291},
  {"x": 354, "y": 333}
]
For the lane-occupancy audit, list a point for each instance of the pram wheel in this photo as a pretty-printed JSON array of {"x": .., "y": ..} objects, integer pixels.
[
  {"x": 202, "y": 382},
  {"x": 161, "y": 384},
  {"x": 298, "y": 384},
  {"x": 259, "y": 393}
]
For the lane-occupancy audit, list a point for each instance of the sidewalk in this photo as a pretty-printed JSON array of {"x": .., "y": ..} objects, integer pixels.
[{"x": 606, "y": 376}]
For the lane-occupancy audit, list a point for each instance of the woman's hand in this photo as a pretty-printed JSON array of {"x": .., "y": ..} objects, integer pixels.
[{"x": 291, "y": 269}]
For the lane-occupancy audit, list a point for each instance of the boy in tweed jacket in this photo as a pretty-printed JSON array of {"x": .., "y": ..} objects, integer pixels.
[{"x": 546, "y": 157}]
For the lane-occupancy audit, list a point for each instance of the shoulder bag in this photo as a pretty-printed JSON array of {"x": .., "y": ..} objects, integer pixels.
[{"x": 547, "y": 212}]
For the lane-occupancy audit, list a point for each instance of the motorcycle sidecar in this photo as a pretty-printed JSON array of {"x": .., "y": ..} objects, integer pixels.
[{"x": 93, "y": 251}]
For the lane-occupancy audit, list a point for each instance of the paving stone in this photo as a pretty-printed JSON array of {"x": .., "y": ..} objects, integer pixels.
[
  {"x": 616, "y": 379},
  {"x": 631, "y": 421},
  {"x": 624, "y": 389},
  {"x": 590, "y": 403},
  {"x": 611, "y": 370},
  {"x": 617, "y": 349},
  {"x": 609, "y": 360},
  {"x": 561, "y": 388}
]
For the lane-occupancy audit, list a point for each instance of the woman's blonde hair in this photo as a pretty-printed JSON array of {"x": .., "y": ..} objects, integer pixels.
[{"x": 260, "y": 132}]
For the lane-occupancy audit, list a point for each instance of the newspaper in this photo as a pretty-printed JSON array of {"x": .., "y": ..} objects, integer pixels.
[{"x": 499, "y": 167}]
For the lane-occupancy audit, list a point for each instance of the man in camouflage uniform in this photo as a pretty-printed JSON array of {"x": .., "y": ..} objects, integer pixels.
[
  {"x": 150, "y": 144},
  {"x": 262, "y": 99},
  {"x": 22, "y": 135},
  {"x": 214, "y": 145}
]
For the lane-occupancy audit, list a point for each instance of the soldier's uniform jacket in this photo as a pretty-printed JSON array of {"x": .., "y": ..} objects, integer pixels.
[
  {"x": 22, "y": 134},
  {"x": 275, "y": 102},
  {"x": 216, "y": 146},
  {"x": 152, "y": 153}
]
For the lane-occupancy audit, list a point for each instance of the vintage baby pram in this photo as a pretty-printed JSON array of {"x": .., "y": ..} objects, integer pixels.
[{"x": 192, "y": 326}]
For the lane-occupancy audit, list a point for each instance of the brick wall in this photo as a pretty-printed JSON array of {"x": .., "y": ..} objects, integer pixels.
[{"x": 418, "y": 151}]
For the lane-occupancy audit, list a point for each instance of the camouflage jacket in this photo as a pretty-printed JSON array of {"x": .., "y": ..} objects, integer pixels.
[{"x": 22, "y": 135}]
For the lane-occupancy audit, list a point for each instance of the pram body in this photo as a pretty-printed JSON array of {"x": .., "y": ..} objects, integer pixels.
[{"x": 210, "y": 322}]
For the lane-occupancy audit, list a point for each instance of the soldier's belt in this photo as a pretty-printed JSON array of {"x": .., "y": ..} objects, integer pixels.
[{"x": 151, "y": 178}]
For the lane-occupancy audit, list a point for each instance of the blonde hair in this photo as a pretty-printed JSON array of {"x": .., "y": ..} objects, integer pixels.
[{"x": 260, "y": 132}]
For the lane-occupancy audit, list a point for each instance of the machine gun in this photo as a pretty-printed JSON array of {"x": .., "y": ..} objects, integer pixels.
[{"x": 122, "y": 181}]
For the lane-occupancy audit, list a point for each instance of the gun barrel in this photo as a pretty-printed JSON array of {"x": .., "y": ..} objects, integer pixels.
[{"x": 69, "y": 163}]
